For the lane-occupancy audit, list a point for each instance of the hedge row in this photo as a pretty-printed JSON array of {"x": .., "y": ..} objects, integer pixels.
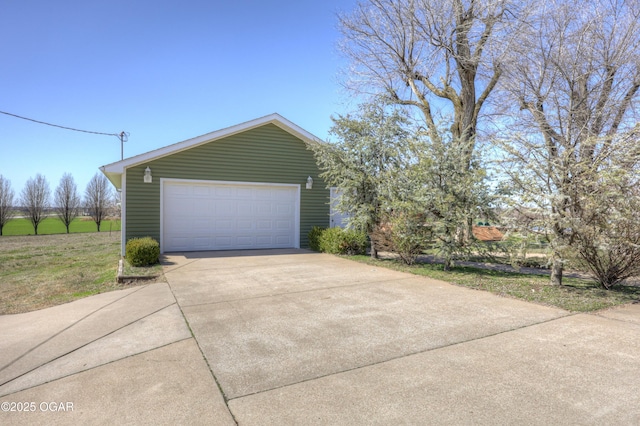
[{"x": 337, "y": 240}]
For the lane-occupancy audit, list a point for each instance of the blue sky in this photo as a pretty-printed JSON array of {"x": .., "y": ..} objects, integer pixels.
[{"x": 162, "y": 71}]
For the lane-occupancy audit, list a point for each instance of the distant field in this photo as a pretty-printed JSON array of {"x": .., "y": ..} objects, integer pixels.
[{"x": 53, "y": 225}]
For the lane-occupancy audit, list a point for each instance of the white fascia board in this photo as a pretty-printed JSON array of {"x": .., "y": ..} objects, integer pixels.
[{"x": 115, "y": 170}]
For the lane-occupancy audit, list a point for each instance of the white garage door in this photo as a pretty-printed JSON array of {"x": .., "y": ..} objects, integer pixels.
[{"x": 224, "y": 216}]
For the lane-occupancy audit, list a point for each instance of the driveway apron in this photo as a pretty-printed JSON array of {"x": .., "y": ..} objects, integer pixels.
[
  {"x": 295, "y": 337},
  {"x": 123, "y": 357}
]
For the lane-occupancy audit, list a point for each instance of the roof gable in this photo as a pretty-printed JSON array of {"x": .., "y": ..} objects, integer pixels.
[{"x": 114, "y": 171}]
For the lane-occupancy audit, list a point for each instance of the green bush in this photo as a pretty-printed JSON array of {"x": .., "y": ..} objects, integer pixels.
[
  {"x": 404, "y": 234},
  {"x": 142, "y": 251},
  {"x": 314, "y": 237},
  {"x": 342, "y": 241},
  {"x": 409, "y": 236}
]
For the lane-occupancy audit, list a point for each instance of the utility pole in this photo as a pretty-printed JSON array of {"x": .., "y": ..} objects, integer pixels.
[{"x": 123, "y": 136}]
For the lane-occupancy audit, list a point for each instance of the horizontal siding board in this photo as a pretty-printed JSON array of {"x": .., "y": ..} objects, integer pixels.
[{"x": 266, "y": 154}]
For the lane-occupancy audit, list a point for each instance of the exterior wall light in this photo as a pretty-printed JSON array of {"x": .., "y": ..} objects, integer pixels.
[
  {"x": 147, "y": 175},
  {"x": 309, "y": 183}
]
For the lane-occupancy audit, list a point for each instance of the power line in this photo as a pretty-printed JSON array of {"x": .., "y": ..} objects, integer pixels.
[{"x": 118, "y": 135}]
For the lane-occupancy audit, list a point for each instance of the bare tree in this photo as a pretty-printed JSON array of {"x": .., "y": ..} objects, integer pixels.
[
  {"x": 6, "y": 202},
  {"x": 432, "y": 55},
  {"x": 67, "y": 201},
  {"x": 97, "y": 198},
  {"x": 574, "y": 77},
  {"x": 443, "y": 60},
  {"x": 35, "y": 198}
]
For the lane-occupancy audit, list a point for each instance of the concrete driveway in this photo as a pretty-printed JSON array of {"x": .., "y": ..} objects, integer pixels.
[
  {"x": 306, "y": 338},
  {"x": 294, "y": 337}
]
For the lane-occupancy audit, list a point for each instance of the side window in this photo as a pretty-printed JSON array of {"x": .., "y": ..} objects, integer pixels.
[{"x": 336, "y": 218}]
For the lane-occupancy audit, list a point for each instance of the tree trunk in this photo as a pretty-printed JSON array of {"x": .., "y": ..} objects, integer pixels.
[
  {"x": 371, "y": 231},
  {"x": 448, "y": 263},
  {"x": 556, "y": 271},
  {"x": 374, "y": 251}
]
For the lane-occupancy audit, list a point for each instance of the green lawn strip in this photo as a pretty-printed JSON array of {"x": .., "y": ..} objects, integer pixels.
[
  {"x": 575, "y": 295},
  {"x": 46, "y": 270},
  {"x": 53, "y": 225}
]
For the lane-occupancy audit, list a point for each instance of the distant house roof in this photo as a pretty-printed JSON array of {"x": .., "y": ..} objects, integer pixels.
[{"x": 487, "y": 233}]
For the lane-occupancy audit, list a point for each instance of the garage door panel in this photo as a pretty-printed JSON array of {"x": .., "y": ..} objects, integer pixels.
[
  {"x": 201, "y": 205},
  {"x": 283, "y": 209},
  {"x": 220, "y": 216},
  {"x": 222, "y": 241},
  {"x": 244, "y": 193},
  {"x": 201, "y": 225},
  {"x": 223, "y": 225},
  {"x": 244, "y": 208},
  {"x": 262, "y": 225},
  {"x": 201, "y": 243},
  {"x": 283, "y": 225},
  {"x": 244, "y": 225},
  {"x": 222, "y": 192},
  {"x": 200, "y": 191},
  {"x": 264, "y": 240},
  {"x": 177, "y": 190},
  {"x": 178, "y": 242},
  {"x": 223, "y": 209},
  {"x": 263, "y": 207},
  {"x": 283, "y": 239},
  {"x": 245, "y": 241}
]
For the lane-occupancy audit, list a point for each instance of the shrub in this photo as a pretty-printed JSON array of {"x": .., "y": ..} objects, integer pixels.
[
  {"x": 403, "y": 234},
  {"x": 142, "y": 251},
  {"x": 314, "y": 237},
  {"x": 535, "y": 262},
  {"x": 342, "y": 241}
]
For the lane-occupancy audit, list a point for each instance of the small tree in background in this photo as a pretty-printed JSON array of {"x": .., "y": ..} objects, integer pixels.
[
  {"x": 67, "y": 201},
  {"x": 451, "y": 196},
  {"x": 6, "y": 202},
  {"x": 35, "y": 198},
  {"x": 407, "y": 191},
  {"x": 607, "y": 236},
  {"x": 369, "y": 150},
  {"x": 97, "y": 198}
]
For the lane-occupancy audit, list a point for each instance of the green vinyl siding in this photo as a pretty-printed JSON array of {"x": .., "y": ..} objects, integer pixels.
[{"x": 266, "y": 154}]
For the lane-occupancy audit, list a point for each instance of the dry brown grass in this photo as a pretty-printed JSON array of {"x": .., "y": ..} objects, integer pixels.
[{"x": 41, "y": 271}]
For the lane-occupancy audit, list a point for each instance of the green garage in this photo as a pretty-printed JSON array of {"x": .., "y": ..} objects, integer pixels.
[{"x": 254, "y": 185}]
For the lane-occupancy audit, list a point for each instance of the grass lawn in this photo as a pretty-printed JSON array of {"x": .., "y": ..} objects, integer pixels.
[
  {"x": 575, "y": 295},
  {"x": 40, "y": 271},
  {"x": 53, "y": 225}
]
